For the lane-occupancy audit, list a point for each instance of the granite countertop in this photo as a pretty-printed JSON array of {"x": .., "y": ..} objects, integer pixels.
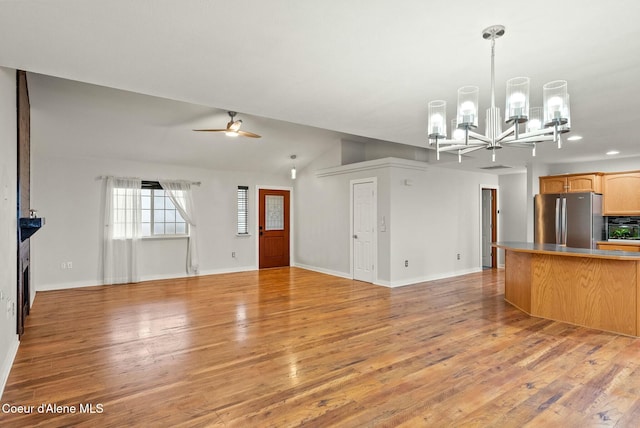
[{"x": 553, "y": 249}]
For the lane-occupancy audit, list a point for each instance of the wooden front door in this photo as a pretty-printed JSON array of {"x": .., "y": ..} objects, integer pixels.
[{"x": 273, "y": 228}]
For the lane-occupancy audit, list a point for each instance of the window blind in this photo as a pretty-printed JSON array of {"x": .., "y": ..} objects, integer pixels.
[{"x": 243, "y": 210}]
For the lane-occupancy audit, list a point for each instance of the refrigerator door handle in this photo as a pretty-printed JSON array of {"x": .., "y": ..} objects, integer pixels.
[
  {"x": 558, "y": 223},
  {"x": 564, "y": 221}
]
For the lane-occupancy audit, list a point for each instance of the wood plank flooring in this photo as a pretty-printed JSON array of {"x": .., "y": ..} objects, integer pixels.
[{"x": 290, "y": 347}]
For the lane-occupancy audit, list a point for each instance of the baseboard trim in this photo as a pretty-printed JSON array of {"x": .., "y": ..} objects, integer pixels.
[
  {"x": 426, "y": 278},
  {"x": 391, "y": 284},
  {"x": 201, "y": 273},
  {"x": 7, "y": 364},
  {"x": 322, "y": 270},
  {"x": 81, "y": 284},
  {"x": 67, "y": 285}
]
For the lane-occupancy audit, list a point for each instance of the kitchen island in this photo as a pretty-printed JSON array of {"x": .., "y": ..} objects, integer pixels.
[{"x": 599, "y": 289}]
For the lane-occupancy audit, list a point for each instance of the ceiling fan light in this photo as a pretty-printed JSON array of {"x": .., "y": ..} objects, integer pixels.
[
  {"x": 235, "y": 126},
  {"x": 231, "y": 134}
]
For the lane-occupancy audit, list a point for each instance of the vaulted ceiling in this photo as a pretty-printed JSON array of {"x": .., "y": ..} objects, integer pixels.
[{"x": 344, "y": 68}]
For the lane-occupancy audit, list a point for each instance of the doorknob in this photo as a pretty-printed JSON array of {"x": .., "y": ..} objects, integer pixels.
[{"x": 355, "y": 236}]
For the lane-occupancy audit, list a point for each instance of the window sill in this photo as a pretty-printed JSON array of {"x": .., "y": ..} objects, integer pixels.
[
  {"x": 243, "y": 235},
  {"x": 162, "y": 237}
]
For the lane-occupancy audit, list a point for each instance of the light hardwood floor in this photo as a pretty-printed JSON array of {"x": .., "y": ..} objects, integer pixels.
[{"x": 289, "y": 347}]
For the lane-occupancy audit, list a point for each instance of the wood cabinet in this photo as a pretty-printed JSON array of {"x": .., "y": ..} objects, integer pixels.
[
  {"x": 621, "y": 193},
  {"x": 572, "y": 183},
  {"x": 619, "y": 247},
  {"x": 553, "y": 184},
  {"x": 593, "y": 290}
]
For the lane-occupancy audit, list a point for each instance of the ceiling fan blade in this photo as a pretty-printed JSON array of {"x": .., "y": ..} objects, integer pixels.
[
  {"x": 249, "y": 134},
  {"x": 211, "y": 130}
]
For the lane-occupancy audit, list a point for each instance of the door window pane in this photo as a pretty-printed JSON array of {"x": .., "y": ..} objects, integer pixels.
[{"x": 274, "y": 212}]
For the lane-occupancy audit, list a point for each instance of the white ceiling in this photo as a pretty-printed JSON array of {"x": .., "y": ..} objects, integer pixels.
[{"x": 365, "y": 68}]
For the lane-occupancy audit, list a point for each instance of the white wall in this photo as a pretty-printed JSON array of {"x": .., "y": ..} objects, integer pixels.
[
  {"x": 8, "y": 222},
  {"x": 427, "y": 222},
  {"x": 513, "y": 203},
  {"x": 434, "y": 219},
  {"x": 610, "y": 165},
  {"x": 68, "y": 193},
  {"x": 323, "y": 217}
]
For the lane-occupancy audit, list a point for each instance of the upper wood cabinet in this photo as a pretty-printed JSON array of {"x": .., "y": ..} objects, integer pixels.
[
  {"x": 621, "y": 193},
  {"x": 571, "y": 183}
]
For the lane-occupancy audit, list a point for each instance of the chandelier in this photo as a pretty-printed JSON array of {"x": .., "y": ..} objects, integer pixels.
[{"x": 527, "y": 126}]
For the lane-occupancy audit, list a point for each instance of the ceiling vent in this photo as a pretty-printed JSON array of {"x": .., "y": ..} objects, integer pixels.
[{"x": 495, "y": 167}]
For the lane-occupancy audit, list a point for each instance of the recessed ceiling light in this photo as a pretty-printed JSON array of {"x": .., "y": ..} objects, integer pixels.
[
  {"x": 575, "y": 138},
  {"x": 613, "y": 152}
]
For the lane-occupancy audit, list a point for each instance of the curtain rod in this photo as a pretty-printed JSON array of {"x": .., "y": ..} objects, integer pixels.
[{"x": 102, "y": 177}]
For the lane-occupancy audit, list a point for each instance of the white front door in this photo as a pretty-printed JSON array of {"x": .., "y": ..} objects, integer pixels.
[{"x": 363, "y": 230}]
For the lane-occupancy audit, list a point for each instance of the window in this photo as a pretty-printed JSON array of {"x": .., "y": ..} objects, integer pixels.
[
  {"x": 243, "y": 210},
  {"x": 125, "y": 204},
  {"x": 159, "y": 215}
]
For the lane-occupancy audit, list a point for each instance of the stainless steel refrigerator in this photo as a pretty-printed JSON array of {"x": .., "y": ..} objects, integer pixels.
[{"x": 571, "y": 219}]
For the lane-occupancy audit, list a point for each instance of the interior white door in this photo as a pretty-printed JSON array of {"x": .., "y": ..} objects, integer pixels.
[
  {"x": 486, "y": 227},
  {"x": 363, "y": 231}
]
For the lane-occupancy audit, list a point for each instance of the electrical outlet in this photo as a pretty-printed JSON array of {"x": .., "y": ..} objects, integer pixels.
[
  {"x": 233, "y": 254},
  {"x": 69, "y": 265},
  {"x": 458, "y": 256},
  {"x": 406, "y": 263}
]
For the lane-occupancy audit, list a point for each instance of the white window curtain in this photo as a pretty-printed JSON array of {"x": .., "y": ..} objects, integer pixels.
[
  {"x": 180, "y": 194},
  {"x": 121, "y": 230}
]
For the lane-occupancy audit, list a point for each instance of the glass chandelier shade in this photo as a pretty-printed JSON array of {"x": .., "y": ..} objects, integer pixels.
[
  {"x": 468, "y": 107},
  {"x": 456, "y": 133},
  {"x": 555, "y": 101},
  {"x": 517, "y": 108},
  {"x": 437, "y": 119},
  {"x": 535, "y": 120}
]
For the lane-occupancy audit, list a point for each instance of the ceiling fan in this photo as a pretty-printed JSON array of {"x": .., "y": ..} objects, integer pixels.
[{"x": 233, "y": 128}]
